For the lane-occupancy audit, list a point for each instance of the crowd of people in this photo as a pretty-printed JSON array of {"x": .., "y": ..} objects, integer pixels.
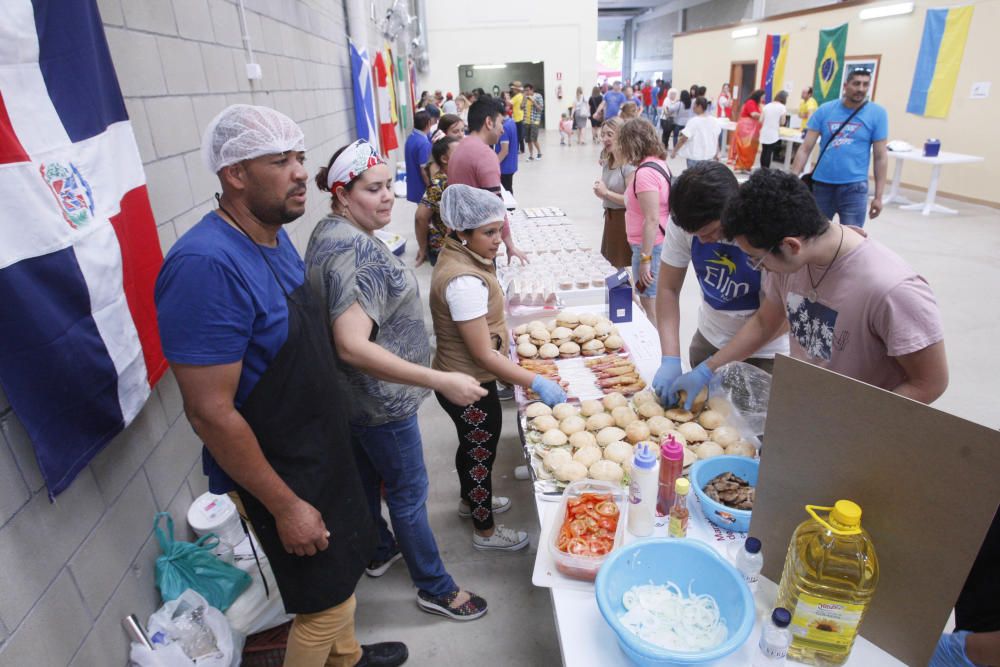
[{"x": 263, "y": 342}]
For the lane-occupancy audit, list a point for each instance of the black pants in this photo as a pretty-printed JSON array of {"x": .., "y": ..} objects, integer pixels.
[
  {"x": 478, "y": 429},
  {"x": 520, "y": 137},
  {"x": 666, "y": 126},
  {"x": 767, "y": 152},
  {"x": 507, "y": 181}
]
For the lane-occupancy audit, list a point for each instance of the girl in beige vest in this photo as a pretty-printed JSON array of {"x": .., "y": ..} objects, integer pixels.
[{"x": 467, "y": 306}]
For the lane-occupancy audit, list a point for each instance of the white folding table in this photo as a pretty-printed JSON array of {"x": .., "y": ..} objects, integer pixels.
[{"x": 928, "y": 206}]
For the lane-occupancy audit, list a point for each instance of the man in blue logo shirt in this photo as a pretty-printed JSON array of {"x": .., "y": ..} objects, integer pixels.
[
  {"x": 840, "y": 180},
  {"x": 417, "y": 153},
  {"x": 613, "y": 101}
]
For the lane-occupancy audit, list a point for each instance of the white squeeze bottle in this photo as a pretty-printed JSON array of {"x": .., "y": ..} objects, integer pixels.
[
  {"x": 775, "y": 638},
  {"x": 642, "y": 492},
  {"x": 750, "y": 561}
]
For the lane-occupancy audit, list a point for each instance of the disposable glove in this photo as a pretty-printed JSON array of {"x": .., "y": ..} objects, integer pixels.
[
  {"x": 669, "y": 370},
  {"x": 950, "y": 651},
  {"x": 692, "y": 383},
  {"x": 550, "y": 392}
]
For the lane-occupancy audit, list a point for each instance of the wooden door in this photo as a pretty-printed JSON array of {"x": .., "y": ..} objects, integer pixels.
[{"x": 742, "y": 82}]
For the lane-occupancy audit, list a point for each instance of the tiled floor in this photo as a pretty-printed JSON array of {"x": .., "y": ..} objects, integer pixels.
[{"x": 957, "y": 254}]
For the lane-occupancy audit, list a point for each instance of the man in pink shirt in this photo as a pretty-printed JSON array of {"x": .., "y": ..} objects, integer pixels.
[
  {"x": 853, "y": 306},
  {"x": 475, "y": 163}
]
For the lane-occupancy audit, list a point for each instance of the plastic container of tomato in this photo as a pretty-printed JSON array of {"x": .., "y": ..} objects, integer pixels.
[{"x": 589, "y": 525}]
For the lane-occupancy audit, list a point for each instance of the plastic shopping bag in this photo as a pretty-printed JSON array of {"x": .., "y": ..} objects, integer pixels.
[
  {"x": 188, "y": 632},
  {"x": 184, "y": 565}
]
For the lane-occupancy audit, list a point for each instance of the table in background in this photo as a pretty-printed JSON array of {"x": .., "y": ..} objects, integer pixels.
[{"x": 928, "y": 206}]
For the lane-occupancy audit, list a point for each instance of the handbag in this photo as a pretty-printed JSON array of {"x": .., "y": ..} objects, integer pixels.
[
  {"x": 185, "y": 565},
  {"x": 808, "y": 178}
]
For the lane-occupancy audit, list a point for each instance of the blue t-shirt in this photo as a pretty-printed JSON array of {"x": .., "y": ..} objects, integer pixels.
[
  {"x": 509, "y": 163},
  {"x": 217, "y": 302},
  {"x": 613, "y": 102},
  {"x": 849, "y": 155},
  {"x": 418, "y": 152}
]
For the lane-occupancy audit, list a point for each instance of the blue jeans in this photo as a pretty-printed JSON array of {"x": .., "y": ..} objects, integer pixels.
[
  {"x": 655, "y": 266},
  {"x": 392, "y": 454},
  {"x": 847, "y": 200}
]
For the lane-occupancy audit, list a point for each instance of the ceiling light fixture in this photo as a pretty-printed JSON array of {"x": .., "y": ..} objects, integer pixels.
[
  {"x": 897, "y": 9},
  {"x": 489, "y": 67},
  {"x": 744, "y": 32}
]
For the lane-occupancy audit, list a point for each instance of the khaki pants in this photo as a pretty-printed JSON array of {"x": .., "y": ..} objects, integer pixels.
[
  {"x": 701, "y": 349},
  {"x": 323, "y": 639}
]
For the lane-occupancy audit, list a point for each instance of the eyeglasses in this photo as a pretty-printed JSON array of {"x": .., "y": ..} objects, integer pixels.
[{"x": 757, "y": 263}]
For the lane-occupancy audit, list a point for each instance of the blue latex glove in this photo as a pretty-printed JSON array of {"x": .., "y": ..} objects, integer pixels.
[
  {"x": 669, "y": 370},
  {"x": 692, "y": 383},
  {"x": 950, "y": 651},
  {"x": 550, "y": 392}
]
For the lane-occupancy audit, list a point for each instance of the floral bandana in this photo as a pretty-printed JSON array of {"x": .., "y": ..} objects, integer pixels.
[{"x": 355, "y": 160}]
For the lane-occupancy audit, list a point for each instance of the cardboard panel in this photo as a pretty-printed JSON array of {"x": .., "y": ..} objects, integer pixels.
[{"x": 926, "y": 482}]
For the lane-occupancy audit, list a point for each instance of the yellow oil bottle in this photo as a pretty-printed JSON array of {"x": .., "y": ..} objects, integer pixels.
[{"x": 828, "y": 582}]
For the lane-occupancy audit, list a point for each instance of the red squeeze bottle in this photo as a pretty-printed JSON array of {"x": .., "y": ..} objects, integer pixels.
[{"x": 671, "y": 467}]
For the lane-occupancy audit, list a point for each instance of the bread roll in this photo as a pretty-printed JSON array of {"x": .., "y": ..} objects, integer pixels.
[
  {"x": 599, "y": 421},
  {"x": 607, "y": 471},
  {"x": 608, "y": 435},
  {"x": 643, "y": 397},
  {"x": 650, "y": 410},
  {"x": 593, "y": 348},
  {"x": 614, "y": 342},
  {"x": 720, "y": 404},
  {"x": 602, "y": 330},
  {"x": 544, "y": 423},
  {"x": 693, "y": 432},
  {"x": 588, "y": 455},
  {"x": 534, "y": 324},
  {"x": 624, "y": 415},
  {"x": 554, "y": 438},
  {"x": 679, "y": 415},
  {"x": 524, "y": 338},
  {"x": 583, "y": 333},
  {"x": 562, "y": 335},
  {"x": 527, "y": 351},
  {"x": 536, "y": 409},
  {"x": 582, "y": 439},
  {"x": 659, "y": 426},
  {"x": 742, "y": 448},
  {"x": 563, "y": 410},
  {"x": 677, "y": 435},
  {"x": 569, "y": 350},
  {"x": 726, "y": 436},
  {"x": 520, "y": 329},
  {"x": 568, "y": 320},
  {"x": 591, "y": 407},
  {"x": 619, "y": 452},
  {"x": 589, "y": 319},
  {"x": 689, "y": 457},
  {"x": 711, "y": 419},
  {"x": 636, "y": 432},
  {"x": 570, "y": 472},
  {"x": 614, "y": 400},
  {"x": 556, "y": 457},
  {"x": 548, "y": 351},
  {"x": 539, "y": 336},
  {"x": 573, "y": 424},
  {"x": 708, "y": 450},
  {"x": 699, "y": 400}
]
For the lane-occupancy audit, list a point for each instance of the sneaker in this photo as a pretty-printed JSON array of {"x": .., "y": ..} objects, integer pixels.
[
  {"x": 538, "y": 157},
  {"x": 500, "y": 505},
  {"x": 384, "y": 654},
  {"x": 530, "y": 159},
  {"x": 502, "y": 539},
  {"x": 377, "y": 568},
  {"x": 472, "y": 609},
  {"x": 505, "y": 392}
]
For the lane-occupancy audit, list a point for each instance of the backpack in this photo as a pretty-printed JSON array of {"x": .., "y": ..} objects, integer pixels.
[{"x": 664, "y": 173}]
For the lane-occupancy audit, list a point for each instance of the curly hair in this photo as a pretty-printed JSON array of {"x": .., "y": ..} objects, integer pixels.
[
  {"x": 770, "y": 206},
  {"x": 638, "y": 140},
  {"x": 700, "y": 193}
]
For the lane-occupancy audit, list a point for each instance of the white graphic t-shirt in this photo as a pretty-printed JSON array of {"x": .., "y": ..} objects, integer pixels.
[{"x": 869, "y": 308}]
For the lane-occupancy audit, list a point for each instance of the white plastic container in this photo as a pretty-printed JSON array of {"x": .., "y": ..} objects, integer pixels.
[
  {"x": 750, "y": 561},
  {"x": 642, "y": 492},
  {"x": 210, "y": 513},
  {"x": 585, "y": 566},
  {"x": 775, "y": 638}
]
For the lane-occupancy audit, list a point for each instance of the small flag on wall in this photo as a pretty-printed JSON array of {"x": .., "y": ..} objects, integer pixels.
[
  {"x": 773, "y": 77},
  {"x": 364, "y": 97},
  {"x": 940, "y": 56},
  {"x": 830, "y": 63}
]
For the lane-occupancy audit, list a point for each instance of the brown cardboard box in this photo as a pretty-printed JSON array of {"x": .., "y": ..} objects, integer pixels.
[{"x": 927, "y": 483}]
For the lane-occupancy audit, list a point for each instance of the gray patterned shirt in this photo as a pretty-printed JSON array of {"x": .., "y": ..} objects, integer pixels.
[{"x": 346, "y": 266}]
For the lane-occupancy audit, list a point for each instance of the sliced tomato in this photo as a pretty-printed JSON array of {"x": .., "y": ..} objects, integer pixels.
[
  {"x": 607, "y": 524},
  {"x": 600, "y": 546},
  {"x": 578, "y": 547},
  {"x": 607, "y": 508},
  {"x": 573, "y": 503},
  {"x": 579, "y": 527}
]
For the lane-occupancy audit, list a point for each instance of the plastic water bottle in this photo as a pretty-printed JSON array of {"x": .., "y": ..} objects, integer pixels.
[
  {"x": 642, "y": 492},
  {"x": 749, "y": 561},
  {"x": 775, "y": 638}
]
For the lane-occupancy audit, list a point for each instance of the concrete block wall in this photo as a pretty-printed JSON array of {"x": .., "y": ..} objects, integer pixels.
[{"x": 72, "y": 569}]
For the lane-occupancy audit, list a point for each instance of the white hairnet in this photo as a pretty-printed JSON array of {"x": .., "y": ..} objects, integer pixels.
[
  {"x": 244, "y": 131},
  {"x": 464, "y": 207}
]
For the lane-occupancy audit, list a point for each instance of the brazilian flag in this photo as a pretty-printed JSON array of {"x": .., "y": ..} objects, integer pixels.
[{"x": 830, "y": 63}]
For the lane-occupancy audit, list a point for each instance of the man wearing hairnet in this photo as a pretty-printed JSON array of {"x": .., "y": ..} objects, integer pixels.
[{"x": 249, "y": 347}]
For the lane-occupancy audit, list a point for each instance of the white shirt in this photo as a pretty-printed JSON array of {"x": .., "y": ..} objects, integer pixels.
[
  {"x": 702, "y": 134},
  {"x": 467, "y": 297},
  {"x": 717, "y": 326},
  {"x": 770, "y": 122},
  {"x": 449, "y": 106}
]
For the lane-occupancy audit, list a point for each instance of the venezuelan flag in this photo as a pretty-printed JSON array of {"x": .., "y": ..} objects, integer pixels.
[
  {"x": 775, "y": 54},
  {"x": 941, "y": 50}
]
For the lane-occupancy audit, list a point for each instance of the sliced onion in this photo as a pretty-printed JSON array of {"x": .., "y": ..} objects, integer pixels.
[{"x": 664, "y": 616}]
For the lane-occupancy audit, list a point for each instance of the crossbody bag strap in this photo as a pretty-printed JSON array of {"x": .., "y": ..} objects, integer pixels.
[
  {"x": 834, "y": 136},
  {"x": 663, "y": 172}
]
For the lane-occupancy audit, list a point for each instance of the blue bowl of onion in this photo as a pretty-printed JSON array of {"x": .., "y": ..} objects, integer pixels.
[{"x": 674, "y": 602}]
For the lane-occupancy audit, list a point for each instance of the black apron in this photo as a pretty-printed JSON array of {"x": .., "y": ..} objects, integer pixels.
[{"x": 298, "y": 411}]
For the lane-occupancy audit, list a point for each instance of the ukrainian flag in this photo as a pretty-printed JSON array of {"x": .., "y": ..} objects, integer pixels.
[
  {"x": 941, "y": 49},
  {"x": 773, "y": 77}
]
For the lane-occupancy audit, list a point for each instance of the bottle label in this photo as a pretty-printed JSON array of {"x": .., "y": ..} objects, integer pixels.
[
  {"x": 751, "y": 578},
  {"x": 826, "y": 621},
  {"x": 771, "y": 651},
  {"x": 634, "y": 493},
  {"x": 677, "y": 526}
]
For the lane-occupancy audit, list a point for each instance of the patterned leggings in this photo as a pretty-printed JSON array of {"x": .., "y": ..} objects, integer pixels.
[{"x": 478, "y": 429}]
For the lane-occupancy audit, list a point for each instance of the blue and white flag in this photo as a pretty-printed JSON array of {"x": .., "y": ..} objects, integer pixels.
[
  {"x": 364, "y": 96},
  {"x": 79, "y": 252}
]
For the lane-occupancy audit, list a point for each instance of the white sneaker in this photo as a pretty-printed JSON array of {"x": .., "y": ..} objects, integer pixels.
[
  {"x": 500, "y": 505},
  {"x": 502, "y": 539},
  {"x": 522, "y": 473}
]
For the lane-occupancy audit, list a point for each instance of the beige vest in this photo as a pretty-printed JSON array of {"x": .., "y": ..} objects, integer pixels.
[{"x": 452, "y": 354}]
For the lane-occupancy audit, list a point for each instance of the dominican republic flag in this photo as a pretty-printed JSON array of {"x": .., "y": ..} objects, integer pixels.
[
  {"x": 79, "y": 346},
  {"x": 364, "y": 97}
]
